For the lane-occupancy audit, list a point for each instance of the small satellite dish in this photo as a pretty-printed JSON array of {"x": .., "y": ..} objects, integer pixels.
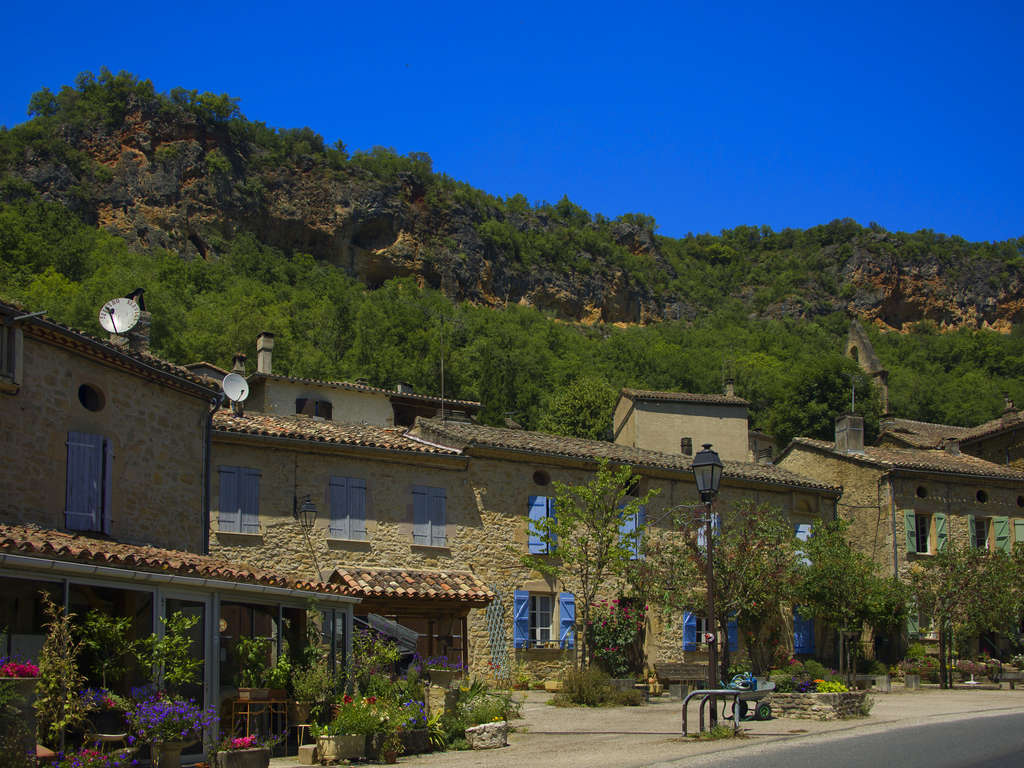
[
  {"x": 235, "y": 387},
  {"x": 119, "y": 315}
]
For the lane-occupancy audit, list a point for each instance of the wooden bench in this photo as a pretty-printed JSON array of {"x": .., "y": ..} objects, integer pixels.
[
  {"x": 1012, "y": 678},
  {"x": 693, "y": 675}
]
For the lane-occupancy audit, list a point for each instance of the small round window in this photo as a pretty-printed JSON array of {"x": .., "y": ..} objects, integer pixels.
[
  {"x": 1020, "y": 501},
  {"x": 91, "y": 398},
  {"x": 540, "y": 477},
  {"x": 922, "y": 492},
  {"x": 981, "y": 496}
]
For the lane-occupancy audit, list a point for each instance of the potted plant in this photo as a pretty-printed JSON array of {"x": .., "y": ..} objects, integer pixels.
[
  {"x": 169, "y": 725},
  {"x": 411, "y": 725},
  {"x": 107, "y": 711},
  {"x": 90, "y": 757},
  {"x": 277, "y": 677},
  {"x": 252, "y": 654},
  {"x": 344, "y": 738},
  {"x": 440, "y": 670},
  {"x": 310, "y": 686},
  {"x": 243, "y": 752},
  {"x": 17, "y": 695}
]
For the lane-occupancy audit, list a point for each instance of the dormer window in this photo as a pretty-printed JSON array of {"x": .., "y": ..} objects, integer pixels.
[{"x": 317, "y": 408}]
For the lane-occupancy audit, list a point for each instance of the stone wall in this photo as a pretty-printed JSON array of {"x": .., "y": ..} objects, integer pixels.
[
  {"x": 156, "y": 435},
  {"x": 818, "y": 706}
]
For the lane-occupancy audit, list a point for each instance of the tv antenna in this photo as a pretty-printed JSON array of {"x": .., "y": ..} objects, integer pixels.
[
  {"x": 235, "y": 387},
  {"x": 119, "y": 315}
]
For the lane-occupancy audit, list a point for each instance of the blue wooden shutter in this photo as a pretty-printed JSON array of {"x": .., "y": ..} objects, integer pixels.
[
  {"x": 716, "y": 524},
  {"x": 910, "y": 526},
  {"x": 338, "y": 493},
  {"x": 566, "y": 620},
  {"x": 689, "y": 631},
  {"x": 250, "y": 500},
  {"x": 941, "y": 532},
  {"x": 732, "y": 631},
  {"x": 84, "y": 493},
  {"x": 639, "y": 527},
  {"x": 803, "y": 633},
  {"x": 229, "y": 514},
  {"x": 538, "y": 511},
  {"x": 438, "y": 513},
  {"x": 803, "y": 533},
  {"x": 1002, "y": 533},
  {"x": 357, "y": 508},
  {"x": 520, "y": 618},
  {"x": 627, "y": 526},
  {"x": 420, "y": 515}
]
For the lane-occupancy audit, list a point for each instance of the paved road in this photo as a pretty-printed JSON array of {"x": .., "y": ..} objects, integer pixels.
[{"x": 977, "y": 742}]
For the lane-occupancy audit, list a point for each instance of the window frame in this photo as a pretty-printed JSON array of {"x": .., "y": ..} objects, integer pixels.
[
  {"x": 536, "y": 629},
  {"x": 923, "y": 533},
  {"x": 353, "y": 491},
  {"x": 434, "y": 506},
  {"x": 247, "y": 520},
  {"x": 983, "y": 542}
]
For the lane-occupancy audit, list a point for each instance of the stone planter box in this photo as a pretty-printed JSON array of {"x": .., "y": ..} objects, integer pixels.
[
  {"x": 488, "y": 735},
  {"x": 416, "y": 741},
  {"x": 817, "y": 706},
  {"x": 346, "y": 746},
  {"x": 257, "y": 757},
  {"x": 444, "y": 677}
]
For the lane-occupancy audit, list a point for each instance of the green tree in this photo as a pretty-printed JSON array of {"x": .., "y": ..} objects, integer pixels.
[
  {"x": 59, "y": 708},
  {"x": 171, "y": 655},
  {"x": 105, "y": 641},
  {"x": 580, "y": 409},
  {"x": 584, "y": 539}
]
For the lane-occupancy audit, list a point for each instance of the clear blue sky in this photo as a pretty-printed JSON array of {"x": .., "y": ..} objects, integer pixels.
[{"x": 704, "y": 115}]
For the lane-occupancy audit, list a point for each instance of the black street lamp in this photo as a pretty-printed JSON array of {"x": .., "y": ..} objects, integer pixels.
[
  {"x": 707, "y": 471},
  {"x": 306, "y": 515}
]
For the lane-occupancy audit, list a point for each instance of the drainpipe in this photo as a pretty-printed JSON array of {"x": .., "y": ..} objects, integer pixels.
[{"x": 895, "y": 546}]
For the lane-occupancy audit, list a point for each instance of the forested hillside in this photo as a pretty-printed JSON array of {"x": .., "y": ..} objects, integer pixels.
[{"x": 370, "y": 265}]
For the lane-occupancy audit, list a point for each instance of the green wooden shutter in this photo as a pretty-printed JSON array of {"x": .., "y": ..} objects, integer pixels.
[
  {"x": 913, "y": 628},
  {"x": 941, "y": 531},
  {"x": 910, "y": 523},
  {"x": 1002, "y": 533},
  {"x": 972, "y": 531},
  {"x": 1018, "y": 530}
]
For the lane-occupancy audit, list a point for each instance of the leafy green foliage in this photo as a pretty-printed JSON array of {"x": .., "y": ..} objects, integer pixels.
[
  {"x": 171, "y": 655},
  {"x": 59, "y": 707},
  {"x": 105, "y": 646}
]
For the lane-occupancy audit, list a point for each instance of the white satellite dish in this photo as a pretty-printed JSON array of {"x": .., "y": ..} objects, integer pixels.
[
  {"x": 235, "y": 387},
  {"x": 119, "y": 315}
]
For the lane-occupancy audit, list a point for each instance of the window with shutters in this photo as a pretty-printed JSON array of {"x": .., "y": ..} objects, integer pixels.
[
  {"x": 239, "y": 502},
  {"x": 10, "y": 358},
  {"x": 540, "y": 619},
  {"x": 631, "y": 528},
  {"x": 696, "y": 629},
  {"x": 429, "y": 516},
  {"x": 89, "y": 472},
  {"x": 347, "y": 496},
  {"x": 543, "y": 620},
  {"x": 540, "y": 508},
  {"x": 922, "y": 533},
  {"x": 979, "y": 536}
]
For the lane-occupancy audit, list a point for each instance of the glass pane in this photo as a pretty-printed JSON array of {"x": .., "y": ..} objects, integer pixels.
[
  {"x": 119, "y": 672},
  {"x": 21, "y": 616},
  {"x": 193, "y": 691}
]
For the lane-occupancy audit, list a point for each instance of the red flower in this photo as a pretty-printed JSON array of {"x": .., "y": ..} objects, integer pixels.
[{"x": 347, "y": 699}]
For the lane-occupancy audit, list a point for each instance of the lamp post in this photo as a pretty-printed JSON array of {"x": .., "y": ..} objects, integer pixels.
[
  {"x": 306, "y": 515},
  {"x": 707, "y": 471}
]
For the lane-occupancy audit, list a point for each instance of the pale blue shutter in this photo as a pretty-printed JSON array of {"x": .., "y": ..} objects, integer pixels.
[
  {"x": 1018, "y": 530},
  {"x": 108, "y": 484},
  {"x": 229, "y": 501},
  {"x": 1002, "y": 533},
  {"x": 689, "y": 631},
  {"x": 803, "y": 633},
  {"x": 732, "y": 631},
  {"x": 438, "y": 513},
  {"x": 941, "y": 532},
  {"x": 627, "y": 529},
  {"x": 420, "y": 516},
  {"x": 250, "y": 501},
  {"x": 538, "y": 511},
  {"x": 639, "y": 527},
  {"x": 910, "y": 528},
  {"x": 357, "y": 508},
  {"x": 338, "y": 499},
  {"x": 716, "y": 525},
  {"x": 520, "y": 618},
  {"x": 84, "y": 494},
  {"x": 566, "y": 620},
  {"x": 803, "y": 533}
]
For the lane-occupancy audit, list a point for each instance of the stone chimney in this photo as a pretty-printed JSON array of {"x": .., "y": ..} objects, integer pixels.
[
  {"x": 264, "y": 350},
  {"x": 951, "y": 445},
  {"x": 1009, "y": 409},
  {"x": 138, "y": 337},
  {"x": 850, "y": 433},
  {"x": 403, "y": 388},
  {"x": 729, "y": 390}
]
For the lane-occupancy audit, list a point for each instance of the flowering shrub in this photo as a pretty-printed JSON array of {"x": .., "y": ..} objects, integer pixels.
[
  {"x": 160, "y": 719},
  {"x": 242, "y": 742},
  {"x": 92, "y": 758},
  {"x": 437, "y": 662},
  {"x": 12, "y": 668},
  {"x": 807, "y": 686},
  {"x": 102, "y": 699},
  {"x": 927, "y": 668},
  {"x": 615, "y": 630},
  {"x": 410, "y": 715},
  {"x": 355, "y": 715},
  {"x": 831, "y": 686}
]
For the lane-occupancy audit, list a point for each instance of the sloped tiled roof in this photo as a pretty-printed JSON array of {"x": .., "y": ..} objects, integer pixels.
[
  {"x": 34, "y": 541},
  {"x": 684, "y": 397},
  {"x": 321, "y": 431},
  {"x": 46, "y": 328},
  {"x": 464, "y": 436},
  {"x": 929, "y": 460},
  {"x": 1009, "y": 420},
  {"x": 256, "y": 377},
  {"x": 401, "y": 583},
  {"x": 920, "y": 434}
]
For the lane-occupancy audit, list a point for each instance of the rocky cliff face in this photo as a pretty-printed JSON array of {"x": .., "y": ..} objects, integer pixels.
[{"x": 168, "y": 179}]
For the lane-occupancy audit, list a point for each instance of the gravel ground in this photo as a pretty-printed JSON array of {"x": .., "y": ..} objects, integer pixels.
[{"x": 651, "y": 735}]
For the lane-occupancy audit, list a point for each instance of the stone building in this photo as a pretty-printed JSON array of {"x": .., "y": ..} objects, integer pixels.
[
  {"x": 429, "y": 526},
  {"x": 102, "y": 500},
  {"x": 904, "y": 503}
]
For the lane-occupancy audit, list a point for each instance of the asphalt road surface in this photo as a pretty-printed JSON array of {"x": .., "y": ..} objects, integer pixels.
[{"x": 981, "y": 742}]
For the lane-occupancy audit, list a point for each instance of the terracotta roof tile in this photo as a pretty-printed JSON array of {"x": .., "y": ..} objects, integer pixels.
[
  {"x": 470, "y": 404},
  {"x": 930, "y": 460},
  {"x": 34, "y": 541},
  {"x": 307, "y": 428},
  {"x": 920, "y": 434},
  {"x": 684, "y": 397},
  {"x": 463, "y": 436},
  {"x": 405, "y": 584}
]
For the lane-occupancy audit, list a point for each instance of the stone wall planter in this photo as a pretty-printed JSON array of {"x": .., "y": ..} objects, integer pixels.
[
  {"x": 488, "y": 735},
  {"x": 444, "y": 677},
  {"x": 817, "y": 706},
  {"x": 257, "y": 757},
  {"x": 345, "y": 746}
]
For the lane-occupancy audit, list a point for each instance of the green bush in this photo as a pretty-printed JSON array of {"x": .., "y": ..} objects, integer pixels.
[
  {"x": 831, "y": 686},
  {"x": 816, "y": 670},
  {"x": 587, "y": 688}
]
